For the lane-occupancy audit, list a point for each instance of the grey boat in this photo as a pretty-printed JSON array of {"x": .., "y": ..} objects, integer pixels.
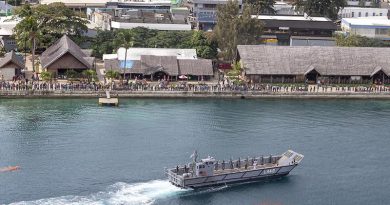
[{"x": 211, "y": 172}]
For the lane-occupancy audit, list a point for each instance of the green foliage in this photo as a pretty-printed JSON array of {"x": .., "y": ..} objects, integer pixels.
[
  {"x": 103, "y": 43},
  {"x": 46, "y": 24},
  {"x": 72, "y": 74},
  {"x": 362, "y": 3},
  {"x": 46, "y": 76},
  {"x": 2, "y": 51},
  {"x": 328, "y": 8},
  {"x": 110, "y": 41},
  {"x": 14, "y": 2},
  {"x": 234, "y": 74},
  {"x": 359, "y": 41},
  {"x": 375, "y": 3},
  {"x": 111, "y": 74},
  {"x": 261, "y": 6},
  {"x": 90, "y": 75},
  {"x": 234, "y": 29}
]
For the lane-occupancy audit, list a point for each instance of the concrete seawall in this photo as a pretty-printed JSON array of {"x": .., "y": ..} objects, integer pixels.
[{"x": 193, "y": 94}]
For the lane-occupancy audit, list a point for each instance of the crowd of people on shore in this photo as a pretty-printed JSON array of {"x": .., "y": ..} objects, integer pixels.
[{"x": 142, "y": 85}]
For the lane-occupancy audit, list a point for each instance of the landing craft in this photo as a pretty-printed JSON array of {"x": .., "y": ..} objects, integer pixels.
[{"x": 210, "y": 172}]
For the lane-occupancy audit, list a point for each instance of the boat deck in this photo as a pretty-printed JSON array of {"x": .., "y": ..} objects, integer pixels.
[{"x": 227, "y": 171}]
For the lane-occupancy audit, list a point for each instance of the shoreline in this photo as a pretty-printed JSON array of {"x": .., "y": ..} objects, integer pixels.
[{"x": 195, "y": 94}]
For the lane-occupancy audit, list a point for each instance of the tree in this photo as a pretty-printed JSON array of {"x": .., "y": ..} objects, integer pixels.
[
  {"x": 205, "y": 47},
  {"x": 362, "y": 3},
  {"x": 125, "y": 39},
  {"x": 90, "y": 75},
  {"x": 51, "y": 22},
  {"x": 2, "y": 51},
  {"x": 110, "y": 41},
  {"x": 103, "y": 43},
  {"x": 46, "y": 76},
  {"x": 234, "y": 75},
  {"x": 14, "y": 2},
  {"x": 27, "y": 31},
  {"x": 233, "y": 29},
  {"x": 262, "y": 6},
  {"x": 111, "y": 74},
  {"x": 359, "y": 41},
  {"x": 328, "y": 8}
]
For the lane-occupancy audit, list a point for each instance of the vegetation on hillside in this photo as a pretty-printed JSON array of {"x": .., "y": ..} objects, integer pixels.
[
  {"x": 261, "y": 6},
  {"x": 42, "y": 25},
  {"x": 328, "y": 8},
  {"x": 359, "y": 41},
  {"x": 110, "y": 41},
  {"x": 233, "y": 28}
]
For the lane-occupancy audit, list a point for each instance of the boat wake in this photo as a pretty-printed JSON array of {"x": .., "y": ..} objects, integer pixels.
[{"x": 119, "y": 193}]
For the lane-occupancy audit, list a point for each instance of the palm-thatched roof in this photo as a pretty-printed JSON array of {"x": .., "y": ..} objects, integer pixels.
[
  {"x": 300, "y": 60},
  {"x": 62, "y": 47},
  {"x": 153, "y": 64},
  {"x": 150, "y": 64},
  {"x": 195, "y": 67},
  {"x": 12, "y": 57}
]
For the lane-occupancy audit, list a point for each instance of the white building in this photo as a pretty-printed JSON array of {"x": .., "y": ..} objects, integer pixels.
[
  {"x": 353, "y": 12},
  {"x": 372, "y": 27}
]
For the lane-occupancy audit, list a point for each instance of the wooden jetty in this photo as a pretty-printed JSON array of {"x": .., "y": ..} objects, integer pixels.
[{"x": 108, "y": 101}]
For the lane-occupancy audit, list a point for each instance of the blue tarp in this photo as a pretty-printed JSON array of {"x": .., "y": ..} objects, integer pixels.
[{"x": 128, "y": 65}]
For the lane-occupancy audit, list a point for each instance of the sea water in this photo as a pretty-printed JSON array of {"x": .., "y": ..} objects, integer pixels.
[{"x": 71, "y": 151}]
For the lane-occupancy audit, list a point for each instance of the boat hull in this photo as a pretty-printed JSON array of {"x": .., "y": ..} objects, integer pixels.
[
  {"x": 235, "y": 177},
  {"x": 258, "y": 179}
]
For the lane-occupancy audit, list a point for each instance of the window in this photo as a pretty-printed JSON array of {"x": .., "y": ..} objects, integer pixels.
[
  {"x": 380, "y": 14},
  {"x": 366, "y": 14},
  {"x": 373, "y": 14},
  {"x": 360, "y": 14},
  {"x": 353, "y": 14}
]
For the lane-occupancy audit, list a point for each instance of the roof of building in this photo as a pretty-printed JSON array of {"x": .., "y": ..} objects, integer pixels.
[
  {"x": 298, "y": 60},
  {"x": 368, "y": 21},
  {"x": 61, "y": 47},
  {"x": 156, "y": 26},
  {"x": 297, "y": 22},
  {"x": 136, "y": 53},
  {"x": 195, "y": 67},
  {"x": 312, "y": 41},
  {"x": 4, "y": 6},
  {"x": 152, "y": 64},
  {"x": 149, "y": 64},
  {"x": 84, "y": 3},
  {"x": 12, "y": 57}
]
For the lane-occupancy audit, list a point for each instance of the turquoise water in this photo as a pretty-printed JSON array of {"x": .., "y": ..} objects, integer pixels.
[{"x": 75, "y": 152}]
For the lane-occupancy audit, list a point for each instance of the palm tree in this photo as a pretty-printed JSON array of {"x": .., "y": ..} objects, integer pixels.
[
  {"x": 125, "y": 39},
  {"x": 89, "y": 75},
  {"x": 28, "y": 30}
]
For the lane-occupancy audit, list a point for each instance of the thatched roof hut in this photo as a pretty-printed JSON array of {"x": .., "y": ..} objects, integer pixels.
[
  {"x": 300, "y": 60},
  {"x": 66, "y": 54}
]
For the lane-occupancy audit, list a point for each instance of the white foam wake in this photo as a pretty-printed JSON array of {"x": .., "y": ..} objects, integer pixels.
[{"x": 119, "y": 193}]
